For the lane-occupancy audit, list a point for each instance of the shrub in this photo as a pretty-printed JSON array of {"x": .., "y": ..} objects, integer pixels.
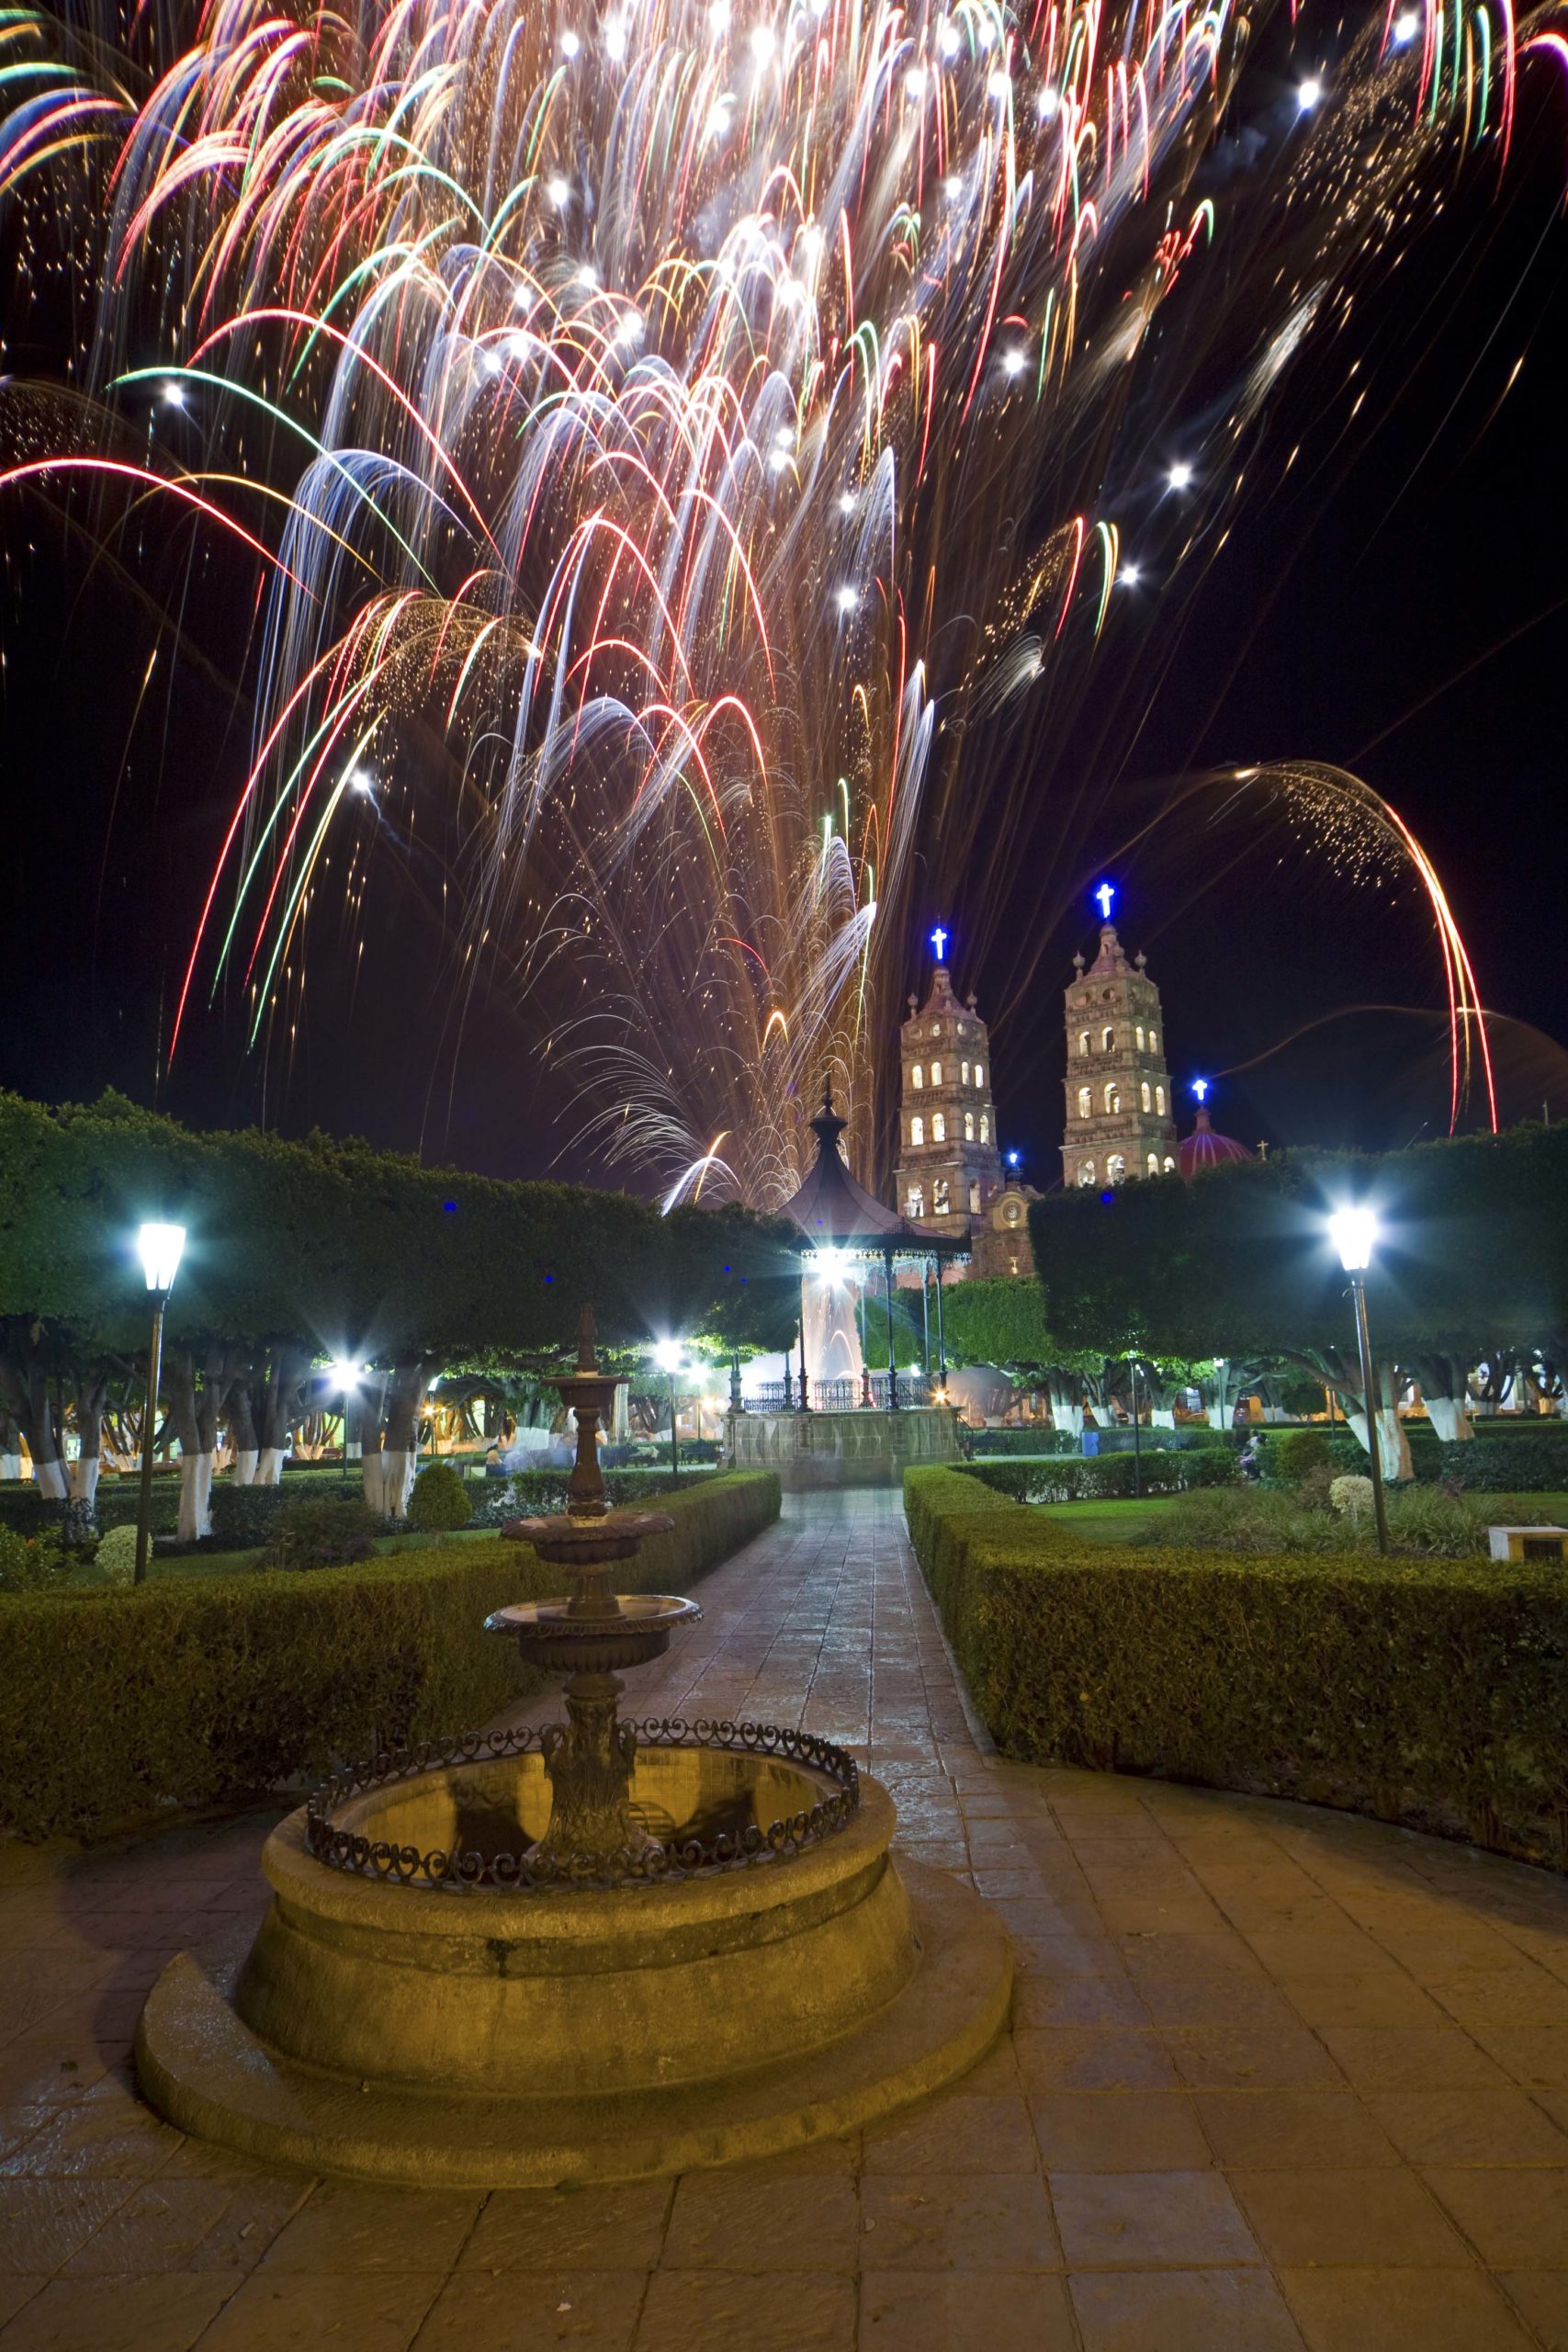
[
  {"x": 439, "y": 1500},
  {"x": 1352, "y": 1496},
  {"x": 1425, "y": 1692},
  {"x": 243, "y": 1517},
  {"x": 1493, "y": 1462},
  {"x": 330, "y": 1534},
  {"x": 115, "y": 1559},
  {"x": 1298, "y": 1452},
  {"x": 193, "y": 1691},
  {"x": 1028, "y": 1441},
  {"x": 29, "y": 1564},
  {"x": 532, "y": 1494},
  {"x": 1062, "y": 1478}
]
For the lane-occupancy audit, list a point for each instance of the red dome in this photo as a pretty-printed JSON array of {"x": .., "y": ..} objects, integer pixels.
[{"x": 1203, "y": 1148}]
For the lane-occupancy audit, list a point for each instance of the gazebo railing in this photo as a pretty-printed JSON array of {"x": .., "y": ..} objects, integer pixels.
[{"x": 840, "y": 1396}]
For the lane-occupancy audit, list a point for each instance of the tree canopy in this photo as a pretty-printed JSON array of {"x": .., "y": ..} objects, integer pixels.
[
  {"x": 339, "y": 1250},
  {"x": 1473, "y": 1252}
]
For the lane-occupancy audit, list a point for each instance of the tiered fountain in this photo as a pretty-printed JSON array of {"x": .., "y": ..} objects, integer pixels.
[{"x": 594, "y": 1950}]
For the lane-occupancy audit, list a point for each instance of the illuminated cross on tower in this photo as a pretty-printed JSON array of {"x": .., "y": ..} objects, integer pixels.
[
  {"x": 1102, "y": 899},
  {"x": 939, "y": 941}
]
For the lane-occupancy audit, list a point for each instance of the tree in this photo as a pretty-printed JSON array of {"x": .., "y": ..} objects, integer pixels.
[{"x": 1238, "y": 1263}]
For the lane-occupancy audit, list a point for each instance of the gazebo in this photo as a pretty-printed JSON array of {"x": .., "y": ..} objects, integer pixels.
[
  {"x": 838, "y": 1215},
  {"x": 815, "y": 1445}
]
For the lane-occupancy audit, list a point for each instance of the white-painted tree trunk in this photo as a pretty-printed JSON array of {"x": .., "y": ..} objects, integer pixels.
[
  {"x": 1162, "y": 1416},
  {"x": 10, "y": 1465},
  {"x": 245, "y": 1458},
  {"x": 269, "y": 1465},
  {"x": 196, "y": 1497},
  {"x": 1393, "y": 1446},
  {"x": 83, "y": 1477},
  {"x": 1068, "y": 1417},
  {"x": 51, "y": 1478},
  {"x": 1448, "y": 1419},
  {"x": 354, "y": 1450}
]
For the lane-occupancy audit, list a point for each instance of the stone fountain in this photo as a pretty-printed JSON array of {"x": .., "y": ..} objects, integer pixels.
[{"x": 595, "y": 1950}]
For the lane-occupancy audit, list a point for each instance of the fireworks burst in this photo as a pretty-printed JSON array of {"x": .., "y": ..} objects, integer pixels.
[{"x": 692, "y": 452}]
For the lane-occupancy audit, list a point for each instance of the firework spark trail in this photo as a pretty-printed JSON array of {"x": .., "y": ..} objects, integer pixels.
[{"x": 714, "y": 430}]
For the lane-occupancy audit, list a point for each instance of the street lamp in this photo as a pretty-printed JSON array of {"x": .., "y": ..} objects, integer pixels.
[
  {"x": 345, "y": 1379},
  {"x": 159, "y": 1247},
  {"x": 1354, "y": 1231},
  {"x": 667, "y": 1355}
]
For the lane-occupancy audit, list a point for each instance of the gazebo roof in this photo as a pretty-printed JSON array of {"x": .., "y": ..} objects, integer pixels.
[{"x": 835, "y": 1213}]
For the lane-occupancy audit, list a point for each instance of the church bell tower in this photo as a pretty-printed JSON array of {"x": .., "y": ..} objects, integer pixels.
[
  {"x": 949, "y": 1162},
  {"x": 1119, "y": 1106}
]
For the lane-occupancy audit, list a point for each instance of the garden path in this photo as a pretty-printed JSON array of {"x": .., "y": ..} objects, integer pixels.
[{"x": 1277, "y": 2077}]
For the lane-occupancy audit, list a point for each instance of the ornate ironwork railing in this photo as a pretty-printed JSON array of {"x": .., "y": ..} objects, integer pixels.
[{"x": 457, "y": 1869}]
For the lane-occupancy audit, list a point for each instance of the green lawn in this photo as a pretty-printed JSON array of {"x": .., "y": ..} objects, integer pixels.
[{"x": 1122, "y": 1520}]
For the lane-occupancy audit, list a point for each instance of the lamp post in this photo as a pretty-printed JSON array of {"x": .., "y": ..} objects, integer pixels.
[
  {"x": 345, "y": 1379},
  {"x": 1354, "y": 1232},
  {"x": 667, "y": 1355},
  {"x": 1137, "y": 1441},
  {"x": 159, "y": 1247}
]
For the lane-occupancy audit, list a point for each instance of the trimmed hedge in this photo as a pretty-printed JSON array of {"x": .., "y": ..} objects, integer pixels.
[
  {"x": 1028, "y": 1441},
  {"x": 1423, "y": 1691},
  {"x": 1098, "y": 1479},
  {"x": 191, "y": 1691}
]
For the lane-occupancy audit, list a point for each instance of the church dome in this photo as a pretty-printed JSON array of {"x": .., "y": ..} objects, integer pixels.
[{"x": 1203, "y": 1148}]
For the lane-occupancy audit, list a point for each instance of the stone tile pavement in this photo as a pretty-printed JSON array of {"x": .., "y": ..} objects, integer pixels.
[{"x": 1277, "y": 2079}]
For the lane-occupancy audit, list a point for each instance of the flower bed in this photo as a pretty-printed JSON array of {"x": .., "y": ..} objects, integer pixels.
[{"x": 1424, "y": 1692}]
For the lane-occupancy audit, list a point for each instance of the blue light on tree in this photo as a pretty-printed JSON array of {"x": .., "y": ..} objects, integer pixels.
[
  {"x": 1104, "y": 899},
  {"x": 939, "y": 941}
]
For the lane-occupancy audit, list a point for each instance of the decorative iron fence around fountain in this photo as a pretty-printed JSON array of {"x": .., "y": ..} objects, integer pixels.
[
  {"x": 840, "y": 1396},
  {"x": 675, "y": 1859}
]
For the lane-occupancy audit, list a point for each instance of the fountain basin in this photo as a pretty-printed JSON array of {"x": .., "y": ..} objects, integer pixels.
[
  {"x": 420, "y": 2031},
  {"x": 565, "y": 1639}
]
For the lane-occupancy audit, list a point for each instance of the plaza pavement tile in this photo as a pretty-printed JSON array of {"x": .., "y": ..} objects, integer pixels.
[{"x": 1279, "y": 2080}]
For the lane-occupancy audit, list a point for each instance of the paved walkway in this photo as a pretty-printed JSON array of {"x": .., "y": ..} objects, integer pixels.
[{"x": 1277, "y": 2077}]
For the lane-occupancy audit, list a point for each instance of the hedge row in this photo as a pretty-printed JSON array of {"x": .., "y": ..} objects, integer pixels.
[
  {"x": 1488, "y": 1464},
  {"x": 1427, "y": 1692},
  {"x": 1097, "y": 1477},
  {"x": 187, "y": 1692}
]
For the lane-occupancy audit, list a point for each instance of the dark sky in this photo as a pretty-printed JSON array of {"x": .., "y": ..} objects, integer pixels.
[{"x": 1398, "y": 612}]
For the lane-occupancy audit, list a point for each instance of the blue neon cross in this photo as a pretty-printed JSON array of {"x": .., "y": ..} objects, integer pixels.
[
  {"x": 1103, "y": 897},
  {"x": 939, "y": 941}
]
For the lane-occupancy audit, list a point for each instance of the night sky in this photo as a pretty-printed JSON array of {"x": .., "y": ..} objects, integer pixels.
[{"x": 1395, "y": 606}]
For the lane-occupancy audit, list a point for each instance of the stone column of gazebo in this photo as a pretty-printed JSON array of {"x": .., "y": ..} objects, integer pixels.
[{"x": 825, "y": 1434}]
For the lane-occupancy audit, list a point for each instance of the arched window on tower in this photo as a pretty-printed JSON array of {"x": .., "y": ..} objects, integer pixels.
[
  {"x": 974, "y": 1197},
  {"x": 1169, "y": 1165},
  {"x": 1154, "y": 1041},
  {"x": 1112, "y": 1100},
  {"x": 1086, "y": 1102},
  {"x": 1159, "y": 1100},
  {"x": 936, "y": 1073},
  {"x": 940, "y": 1198},
  {"x": 1086, "y": 1171},
  {"x": 985, "y": 1127},
  {"x": 1146, "y": 1095},
  {"x": 1115, "y": 1169},
  {"x": 917, "y": 1075},
  {"x": 1140, "y": 1036},
  {"x": 915, "y": 1202},
  {"x": 1108, "y": 1039},
  {"x": 1154, "y": 1163},
  {"x": 963, "y": 1073},
  {"x": 979, "y": 1073},
  {"x": 968, "y": 1127},
  {"x": 1083, "y": 1041},
  {"x": 939, "y": 1127},
  {"x": 917, "y": 1130}
]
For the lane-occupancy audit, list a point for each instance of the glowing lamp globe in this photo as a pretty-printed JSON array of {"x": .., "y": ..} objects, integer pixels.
[
  {"x": 159, "y": 1248},
  {"x": 1354, "y": 1233},
  {"x": 667, "y": 1355}
]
